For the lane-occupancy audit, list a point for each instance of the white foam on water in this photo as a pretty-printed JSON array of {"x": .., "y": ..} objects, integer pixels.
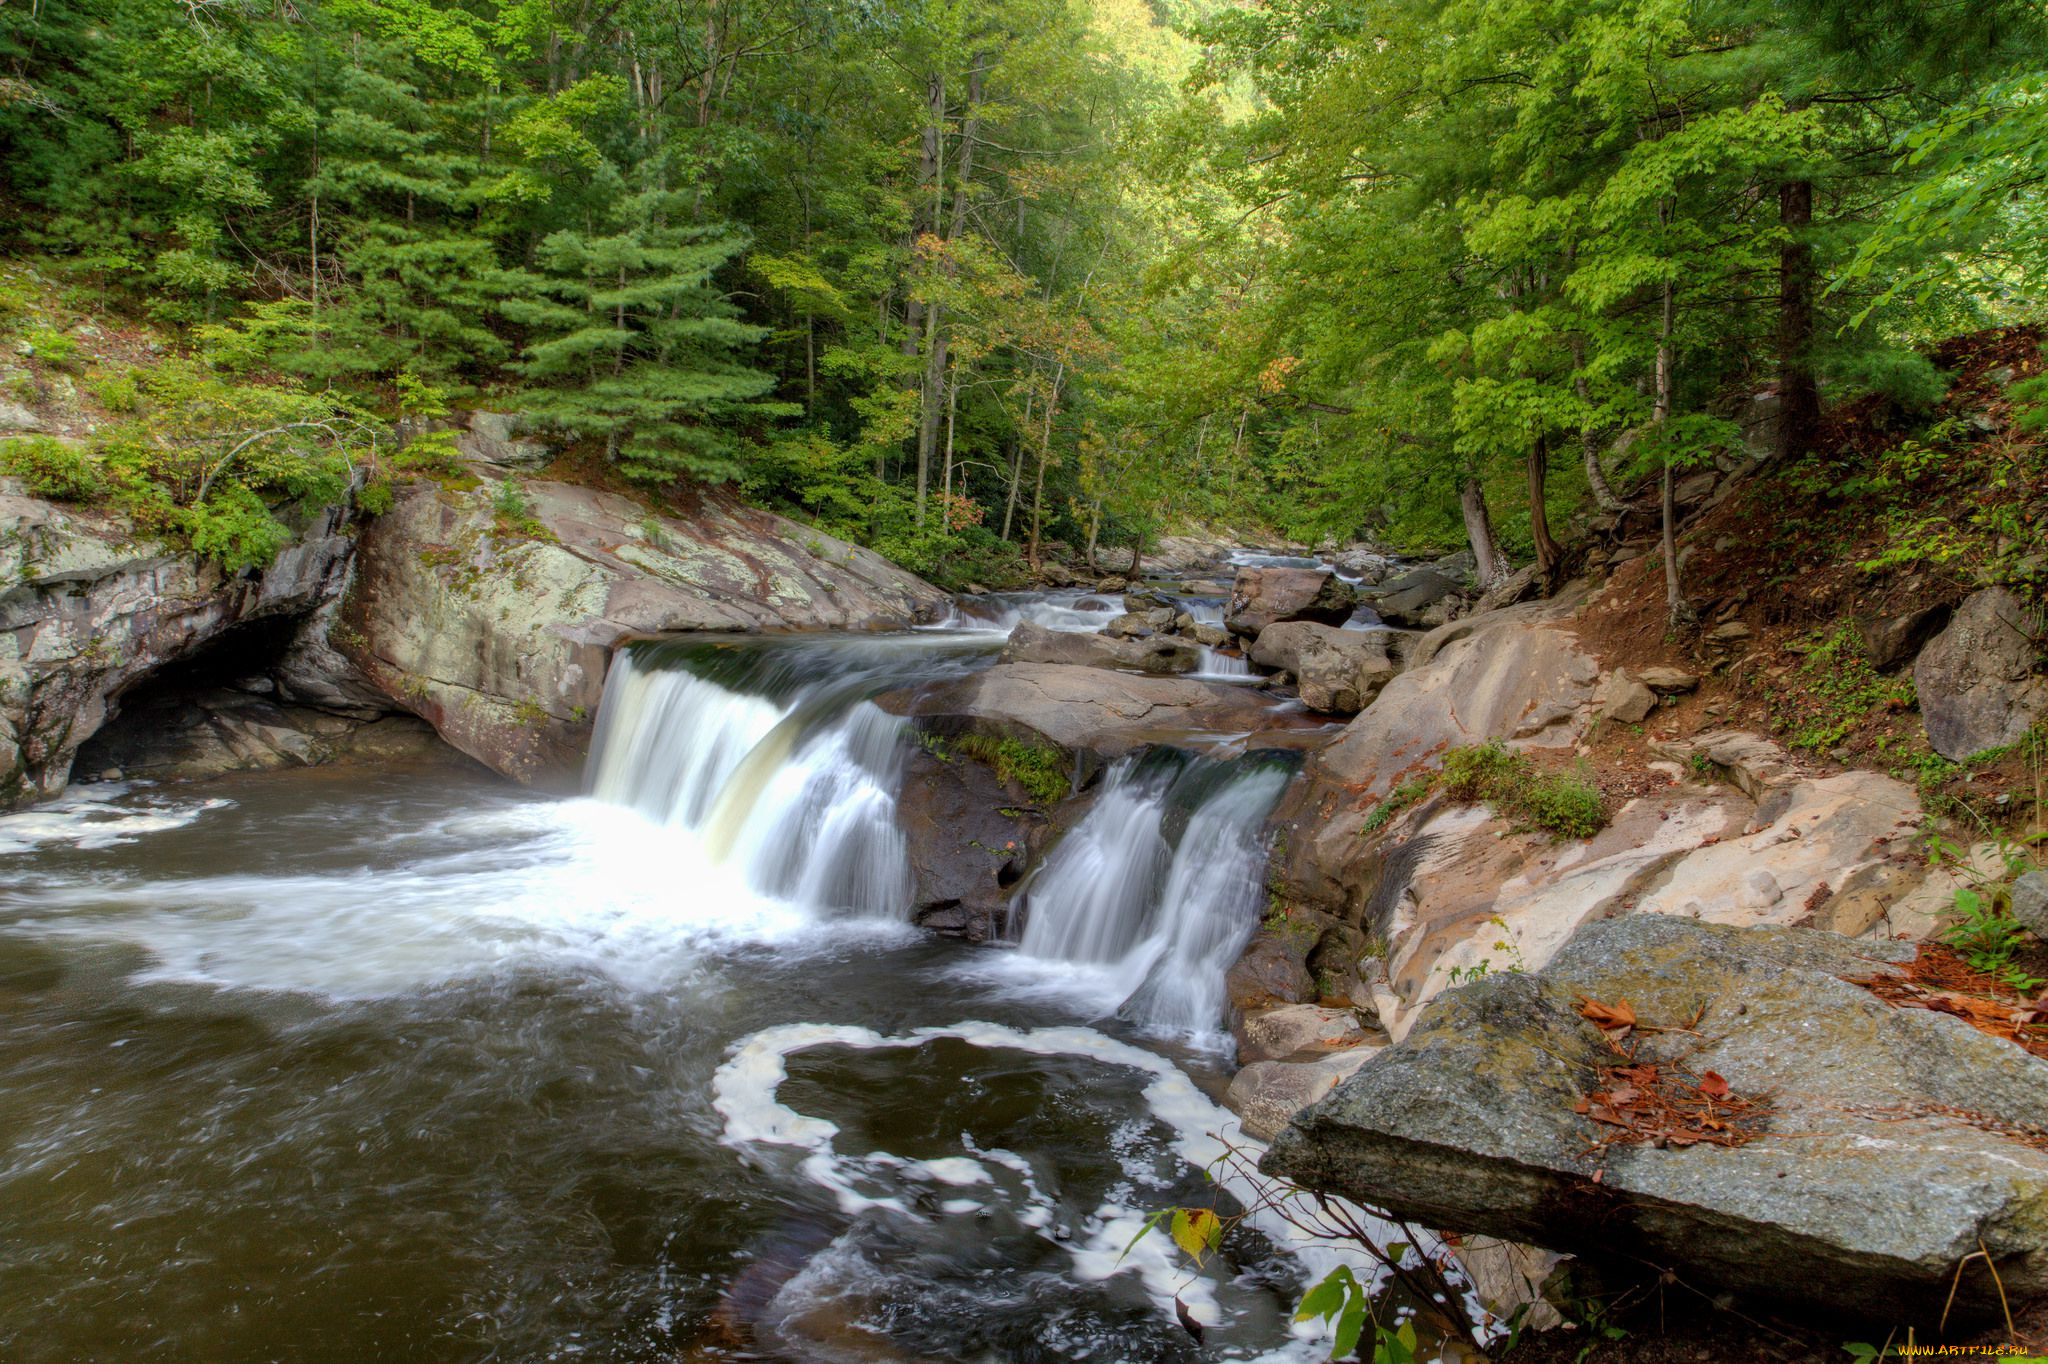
[
  {"x": 745, "y": 1095},
  {"x": 569, "y": 885},
  {"x": 94, "y": 816}
]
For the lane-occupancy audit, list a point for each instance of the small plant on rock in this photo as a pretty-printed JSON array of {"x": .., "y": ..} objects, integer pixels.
[
  {"x": 1565, "y": 804},
  {"x": 1989, "y": 938}
]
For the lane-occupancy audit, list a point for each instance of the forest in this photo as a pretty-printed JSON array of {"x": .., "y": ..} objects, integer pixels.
[{"x": 976, "y": 282}]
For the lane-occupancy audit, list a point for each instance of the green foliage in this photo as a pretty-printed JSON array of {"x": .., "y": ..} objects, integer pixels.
[
  {"x": 1564, "y": 804},
  {"x": 234, "y": 528},
  {"x": 376, "y": 497},
  {"x": 118, "y": 393},
  {"x": 53, "y": 468},
  {"x": 1837, "y": 692},
  {"x": 1398, "y": 799},
  {"x": 1987, "y": 937},
  {"x": 52, "y": 347},
  {"x": 1038, "y": 768}
]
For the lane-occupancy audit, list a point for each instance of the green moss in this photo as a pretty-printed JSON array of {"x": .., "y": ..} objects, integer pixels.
[
  {"x": 1565, "y": 804},
  {"x": 1040, "y": 769}
]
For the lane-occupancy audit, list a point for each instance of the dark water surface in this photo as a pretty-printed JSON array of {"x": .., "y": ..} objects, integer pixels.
[{"x": 354, "y": 1065}]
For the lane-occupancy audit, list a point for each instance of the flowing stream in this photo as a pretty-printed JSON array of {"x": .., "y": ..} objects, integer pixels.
[{"x": 410, "y": 1065}]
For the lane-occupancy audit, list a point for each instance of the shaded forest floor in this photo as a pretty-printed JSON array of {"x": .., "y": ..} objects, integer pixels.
[{"x": 1790, "y": 568}]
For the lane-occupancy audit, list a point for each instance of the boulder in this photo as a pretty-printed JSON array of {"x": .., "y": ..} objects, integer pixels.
[
  {"x": 1295, "y": 1030},
  {"x": 1407, "y": 599},
  {"x": 1976, "y": 679},
  {"x": 2030, "y": 901},
  {"x": 1265, "y": 596},
  {"x": 1466, "y": 897},
  {"x": 1892, "y": 1146},
  {"x": 1366, "y": 566},
  {"x": 502, "y": 440},
  {"x": 1055, "y": 574},
  {"x": 1092, "y": 711},
  {"x": 1031, "y": 643},
  {"x": 1667, "y": 681},
  {"x": 1519, "y": 674},
  {"x": 965, "y": 852},
  {"x": 15, "y": 417},
  {"x": 1338, "y": 671},
  {"x": 91, "y": 608},
  {"x": 1889, "y": 641},
  {"x": 1754, "y": 764},
  {"x": 498, "y": 632},
  {"x": 1622, "y": 697},
  {"x": 1266, "y": 1094},
  {"x": 1272, "y": 971},
  {"x": 1518, "y": 586},
  {"x": 1130, "y": 625}
]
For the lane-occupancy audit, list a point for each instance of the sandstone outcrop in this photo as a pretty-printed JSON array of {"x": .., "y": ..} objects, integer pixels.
[{"x": 497, "y": 628}]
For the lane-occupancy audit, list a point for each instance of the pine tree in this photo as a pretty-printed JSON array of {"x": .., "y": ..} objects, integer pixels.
[{"x": 634, "y": 344}]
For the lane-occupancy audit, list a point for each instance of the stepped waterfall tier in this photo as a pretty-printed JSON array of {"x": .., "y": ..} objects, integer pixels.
[{"x": 1160, "y": 884}]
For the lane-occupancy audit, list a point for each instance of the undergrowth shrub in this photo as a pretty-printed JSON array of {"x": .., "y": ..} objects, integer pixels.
[
  {"x": 1836, "y": 690},
  {"x": 1565, "y": 804},
  {"x": 53, "y": 468}
]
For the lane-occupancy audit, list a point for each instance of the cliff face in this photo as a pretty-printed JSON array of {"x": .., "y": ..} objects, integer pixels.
[{"x": 90, "y": 609}]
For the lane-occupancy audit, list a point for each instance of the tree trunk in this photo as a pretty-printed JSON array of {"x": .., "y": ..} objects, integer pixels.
[
  {"x": 1798, "y": 392},
  {"x": 1589, "y": 436},
  {"x": 1489, "y": 564},
  {"x": 1547, "y": 553},
  {"x": 1052, "y": 403},
  {"x": 1016, "y": 468},
  {"x": 946, "y": 484},
  {"x": 928, "y": 412},
  {"x": 1675, "y": 611}
]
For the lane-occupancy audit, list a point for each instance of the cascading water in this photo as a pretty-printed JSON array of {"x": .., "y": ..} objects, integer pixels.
[
  {"x": 526, "y": 1077},
  {"x": 792, "y": 779},
  {"x": 1216, "y": 664},
  {"x": 1159, "y": 883}
]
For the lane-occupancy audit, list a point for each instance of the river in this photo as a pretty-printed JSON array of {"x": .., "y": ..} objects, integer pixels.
[{"x": 401, "y": 1064}]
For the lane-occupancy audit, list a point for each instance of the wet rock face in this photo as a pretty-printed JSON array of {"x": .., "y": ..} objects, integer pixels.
[
  {"x": 1977, "y": 679},
  {"x": 499, "y": 635},
  {"x": 1265, "y": 596},
  {"x": 206, "y": 734},
  {"x": 1889, "y": 1154},
  {"x": 968, "y": 840},
  {"x": 89, "y": 611}
]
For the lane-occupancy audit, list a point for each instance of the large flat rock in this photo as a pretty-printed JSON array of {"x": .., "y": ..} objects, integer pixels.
[
  {"x": 1898, "y": 1141},
  {"x": 1086, "y": 710}
]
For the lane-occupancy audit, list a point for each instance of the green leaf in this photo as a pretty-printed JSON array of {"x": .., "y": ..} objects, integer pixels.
[{"x": 1197, "y": 1231}]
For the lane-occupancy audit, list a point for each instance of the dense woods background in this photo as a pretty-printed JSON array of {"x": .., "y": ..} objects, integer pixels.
[{"x": 963, "y": 279}]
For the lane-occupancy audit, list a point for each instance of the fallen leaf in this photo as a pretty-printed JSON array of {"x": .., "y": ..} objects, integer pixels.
[
  {"x": 1713, "y": 1086},
  {"x": 1607, "y": 1017}
]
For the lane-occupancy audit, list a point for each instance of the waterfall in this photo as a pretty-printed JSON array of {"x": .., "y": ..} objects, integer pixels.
[
  {"x": 769, "y": 755},
  {"x": 1159, "y": 883},
  {"x": 1215, "y": 663}
]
